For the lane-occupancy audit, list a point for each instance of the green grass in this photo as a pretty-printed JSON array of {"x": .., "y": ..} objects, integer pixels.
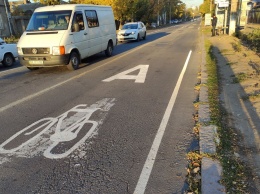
[
  {"x": 237, "y": 46},
  {"x": 240, "y": 77}
]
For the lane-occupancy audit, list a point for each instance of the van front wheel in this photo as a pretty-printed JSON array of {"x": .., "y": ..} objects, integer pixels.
[
  {"x": 109, "y": 49},
  {"x": 74, "y": 61}
]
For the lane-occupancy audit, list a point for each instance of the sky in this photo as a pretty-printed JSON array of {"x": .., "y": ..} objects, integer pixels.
[{"x": 191, "y": 3}]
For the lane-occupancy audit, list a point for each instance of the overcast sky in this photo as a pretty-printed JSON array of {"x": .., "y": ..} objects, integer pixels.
[{"x": 191, "y": 3}]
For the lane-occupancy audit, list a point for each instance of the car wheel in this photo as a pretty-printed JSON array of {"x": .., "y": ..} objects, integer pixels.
[
  {"x": 144, "y": 36},
  {"x": 109, "y": 49},
  {"x": 138, "y": 38},
  {"x": 32, "y": 68},
  {"x": 8, "y": 60},
  {"x": 74, "y": 61}
]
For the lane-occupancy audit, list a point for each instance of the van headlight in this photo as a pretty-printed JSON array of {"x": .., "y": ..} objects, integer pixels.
[
  {"x": 19, "y": 50},
  {"x": 133, "y": 33},
  {"x": 58, "y": 50}
]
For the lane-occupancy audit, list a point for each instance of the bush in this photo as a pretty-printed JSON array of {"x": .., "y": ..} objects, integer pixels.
[
  {"x": 11, "y": 39},
  {"x": 252, "y": 39}
]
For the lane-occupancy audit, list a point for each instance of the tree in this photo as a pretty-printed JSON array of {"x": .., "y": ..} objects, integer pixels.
[
  {"x": 205, "y": 7},
  {"x": 48, "y": 2}
]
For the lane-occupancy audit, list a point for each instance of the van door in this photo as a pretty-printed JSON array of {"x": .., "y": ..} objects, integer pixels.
[
  {"x": 80, "y": 34},
  {"x": 95, "y": 38}
]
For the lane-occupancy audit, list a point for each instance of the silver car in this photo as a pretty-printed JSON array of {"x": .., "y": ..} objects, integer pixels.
[{"x": 132, "y": 31}]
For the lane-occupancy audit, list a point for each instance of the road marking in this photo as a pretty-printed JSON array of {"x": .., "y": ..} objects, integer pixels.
[
  {"x": 14, "y": 70},
  {"x": 44, "y": 135},
  {"x": 139, "y": 78},
  {"x": 148, "y": 166}
]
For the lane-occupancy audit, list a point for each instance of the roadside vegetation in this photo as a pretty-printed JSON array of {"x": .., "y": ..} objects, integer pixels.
[
  {"x": 251, "y": 40},
  {"x": 11, "y": 39},
  {"x": 235, "y": 175}
]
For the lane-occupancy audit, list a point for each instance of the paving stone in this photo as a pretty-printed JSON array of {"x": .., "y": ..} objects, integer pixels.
[
  {"x": 207, "y": 136},
  {"x": 204, "y": 113},
  {"x": 211, "y": 172},
  {"x": 203, "y": 94}
]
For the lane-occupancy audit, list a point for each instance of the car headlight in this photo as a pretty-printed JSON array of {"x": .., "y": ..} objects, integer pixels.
[
  {"x": 58, "y": 50},
  {"x": 133, "y": 33},
  {"x": 19, "y": 50}
]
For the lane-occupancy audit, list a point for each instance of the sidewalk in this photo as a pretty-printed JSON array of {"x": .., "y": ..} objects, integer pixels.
[{"x": 239, "y": 75}]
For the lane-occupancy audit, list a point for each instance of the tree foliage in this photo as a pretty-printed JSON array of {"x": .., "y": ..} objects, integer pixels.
[
  {"x": 205, "y": 7},
  {"x": 136, "y": 10}
]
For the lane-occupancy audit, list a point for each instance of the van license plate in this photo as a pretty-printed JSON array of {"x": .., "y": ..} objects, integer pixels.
[{"x": 36, "y": 62}]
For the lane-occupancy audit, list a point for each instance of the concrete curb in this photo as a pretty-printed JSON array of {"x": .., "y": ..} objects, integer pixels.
[{"x": 211, "y": 170}]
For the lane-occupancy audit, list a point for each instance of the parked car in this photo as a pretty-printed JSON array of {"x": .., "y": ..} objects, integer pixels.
[
  {"x": 153, "y": 25},
  {"x": 132, "y": 31},
  {"x": 175, "y": 21},
  {"x": 8, "y": 53}
]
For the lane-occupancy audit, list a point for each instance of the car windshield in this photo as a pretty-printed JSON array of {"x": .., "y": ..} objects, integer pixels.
[
  {"x": 130, "y": 26},
  {"x": 49, "y": 20}
]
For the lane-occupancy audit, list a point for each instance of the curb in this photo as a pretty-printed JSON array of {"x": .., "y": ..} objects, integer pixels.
[{"x": 211, "y": 170}]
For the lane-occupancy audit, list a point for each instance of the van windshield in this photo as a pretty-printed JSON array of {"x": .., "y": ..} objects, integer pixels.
[{"x": 50, "y": 20}]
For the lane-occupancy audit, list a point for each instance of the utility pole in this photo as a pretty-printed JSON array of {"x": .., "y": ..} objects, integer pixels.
[{"x": 233, "y": 17}]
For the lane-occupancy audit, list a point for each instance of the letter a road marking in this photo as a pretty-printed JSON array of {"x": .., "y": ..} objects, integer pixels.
[{"x": 139, "y": 78}]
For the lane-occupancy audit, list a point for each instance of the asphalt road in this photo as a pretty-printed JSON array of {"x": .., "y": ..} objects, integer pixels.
[{"x": 116, "y": 125}]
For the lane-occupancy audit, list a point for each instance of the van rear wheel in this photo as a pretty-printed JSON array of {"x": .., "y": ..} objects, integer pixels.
[
  {"x": 74, "y": 61},
  {"x": 109, "y": 49}
]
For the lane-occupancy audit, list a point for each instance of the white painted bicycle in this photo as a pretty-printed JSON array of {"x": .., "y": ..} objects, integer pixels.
[{"x": 66, "y": 128}]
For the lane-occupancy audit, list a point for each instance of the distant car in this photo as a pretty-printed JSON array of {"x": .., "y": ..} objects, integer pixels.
[
  {"x": 175, "y": 21},
  {"x": 8, "y": 53},
  {"x": 153, "y": 25},
  {"x": 132, "y": 31}
]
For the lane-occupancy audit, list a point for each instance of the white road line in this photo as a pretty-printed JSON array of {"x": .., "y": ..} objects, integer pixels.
[
  {"x": 14, "y": 70},
  {"x": 148, "y": 166}
]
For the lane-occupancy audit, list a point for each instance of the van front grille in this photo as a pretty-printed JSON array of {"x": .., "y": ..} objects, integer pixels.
[{"x": 36, "y": 51}]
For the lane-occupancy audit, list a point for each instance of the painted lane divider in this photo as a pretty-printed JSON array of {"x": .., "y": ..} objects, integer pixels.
[{"x": 148, "y": 166}]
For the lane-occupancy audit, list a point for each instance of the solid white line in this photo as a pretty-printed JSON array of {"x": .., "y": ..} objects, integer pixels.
[
  {"x": 147, "y": 169},
  {"x": 14, "y": 70}
]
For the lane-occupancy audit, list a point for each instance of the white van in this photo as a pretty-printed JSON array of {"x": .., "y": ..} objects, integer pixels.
[{"x": 64, "y": 34}]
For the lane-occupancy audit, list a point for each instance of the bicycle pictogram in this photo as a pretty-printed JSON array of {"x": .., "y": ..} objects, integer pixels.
[{"x": 65, "y": 128}]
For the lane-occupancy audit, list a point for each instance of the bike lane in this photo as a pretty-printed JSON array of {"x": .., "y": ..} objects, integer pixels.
[{"x": 111, "y": 160}]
